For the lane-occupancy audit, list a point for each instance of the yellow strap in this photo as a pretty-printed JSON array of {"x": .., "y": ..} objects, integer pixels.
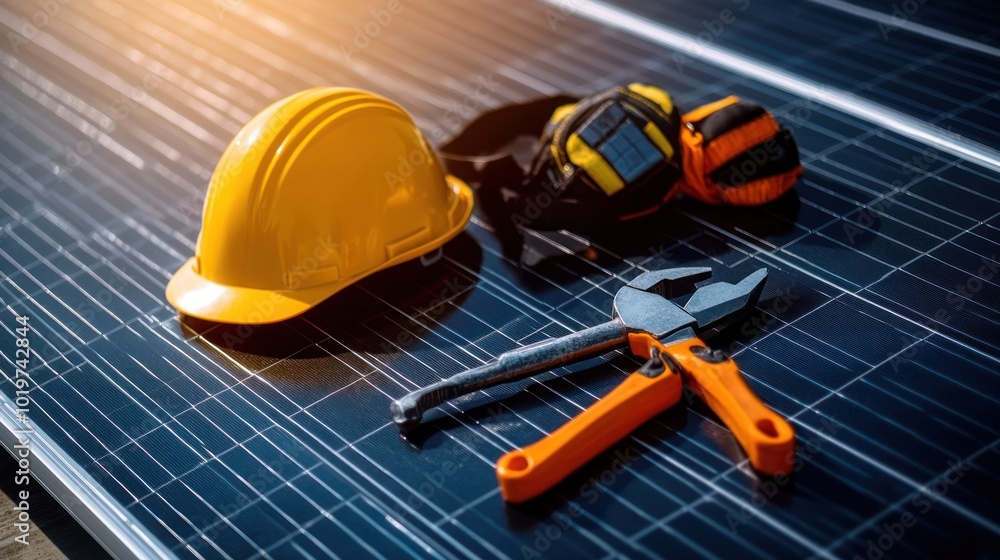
[
  {"x": 656, "y": 135},
  {"x": 706, "y": 110},
  {"x": 561, "y": 112},
  {"x": 661, "y": 97},
  {"x": 584, "y": 157}
]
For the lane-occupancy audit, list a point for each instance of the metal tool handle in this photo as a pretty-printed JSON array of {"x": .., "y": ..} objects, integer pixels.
[
  {"x": 509, "y": 366},
  {"x": 766, "y": 437},
  {"x": 528, "y": 472}
]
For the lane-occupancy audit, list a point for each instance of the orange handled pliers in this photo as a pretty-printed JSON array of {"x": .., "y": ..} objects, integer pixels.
[
  {"x": 655, "y": 328},
  {"x": 673, "y": 355}
]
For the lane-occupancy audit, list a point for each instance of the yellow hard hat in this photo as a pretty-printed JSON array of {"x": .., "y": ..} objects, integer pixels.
[{"x": 316, "y": 192}]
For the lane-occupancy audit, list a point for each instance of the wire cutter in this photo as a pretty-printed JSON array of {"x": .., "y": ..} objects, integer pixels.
[{"x": 654, "y": 328}]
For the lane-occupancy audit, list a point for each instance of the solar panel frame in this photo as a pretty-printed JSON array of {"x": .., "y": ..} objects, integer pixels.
[{"x": 189, "y": 439}]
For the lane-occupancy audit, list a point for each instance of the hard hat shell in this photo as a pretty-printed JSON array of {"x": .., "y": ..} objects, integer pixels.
[{"x": 316, "y": 192}]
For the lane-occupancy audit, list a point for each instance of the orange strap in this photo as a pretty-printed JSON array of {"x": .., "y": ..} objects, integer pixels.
[
  {"x": 736, "y": 141},
  {"x": 694, "y": 182}
]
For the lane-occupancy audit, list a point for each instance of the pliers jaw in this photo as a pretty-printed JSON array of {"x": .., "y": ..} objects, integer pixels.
[
  {"x": 670, "y": 282},
  {"x": 718, "y": 304},
  {"x": 644, "y": 304}
]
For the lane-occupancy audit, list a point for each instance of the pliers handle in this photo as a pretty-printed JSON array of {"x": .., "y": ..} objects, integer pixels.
[{"x": 767, "y": 438}]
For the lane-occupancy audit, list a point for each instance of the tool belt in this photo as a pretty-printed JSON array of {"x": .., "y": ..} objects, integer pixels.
[
  {"x": 617, "y": 155},
  {"x": 736, "y": 153},
  {"x": 610, "y": 156}
]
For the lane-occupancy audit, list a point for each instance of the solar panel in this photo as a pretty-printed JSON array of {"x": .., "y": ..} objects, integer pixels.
[{"x": 876, "y": 335}]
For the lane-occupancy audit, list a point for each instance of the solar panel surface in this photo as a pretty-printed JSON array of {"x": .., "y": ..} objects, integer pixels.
[{"x": 877, "y": 333}]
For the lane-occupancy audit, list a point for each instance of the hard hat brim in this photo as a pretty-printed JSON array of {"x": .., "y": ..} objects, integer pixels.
[{"x": 193, "y": 294}]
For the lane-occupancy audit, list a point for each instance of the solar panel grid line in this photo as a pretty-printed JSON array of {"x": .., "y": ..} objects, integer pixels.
[
  {"x": 13, "y": 140},
  {"x": 190, "y": 128},
  {"x": 72, "y": 119},
  {"x": 92, "y": 197},
  {"x": 839, "y": 39},
  {"x": 855, "y": 451},
  {"x": 91, "y": 113},
  {"x": 69, "y": 347},
  {"x": 842, "y": 100},
  {"x": 63, "y": 408},
  {"x": 876, "y": 202},
  {"x": 99, "y": 138},
  {"x": 689, "y": 508},
  {"x": 777, "y": 526},
  {"x": 970, "y": 15},
  {"x": 153, "y": 239},
  {"x": 691, "y": 543},
  {"x": 261, "y": 497},
  {"x": 952, "y": 83},
  {"x": 455, "y": 407},
  {"x": 867, "y": 301},
  {"x": 483, "y": 497},
  {"x": 915, "y": 404},
  {"x": 16, "y": 170},
  {"x": 928, "y": 157},
  {"x": 955, "y": 412},
  {"x": 303, "y": 443},
  {"x": 878, "y": 199},
  {"x": 307, "y": 524},
  {"x": 402, "y": 504},
  {"x": 45, "y": 456},
  {"x": 893, "y": 22},
  {"x": 56, "y": 321},
  {"x": 723, "y": 534},
  {"x": 370, "y": 74},
  {"x": 532, "y": 56},
  {"x": 426, "y": 28},
  {"x": 924, "y": 65},
  {"x": 943, "y": 499}
]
